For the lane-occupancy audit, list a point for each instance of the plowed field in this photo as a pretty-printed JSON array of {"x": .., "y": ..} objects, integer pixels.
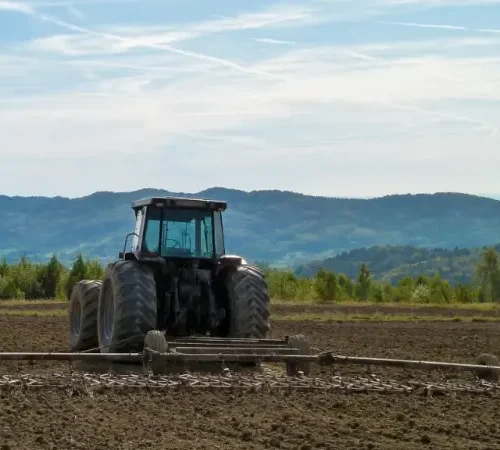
[{"x": 188, "y": 418}]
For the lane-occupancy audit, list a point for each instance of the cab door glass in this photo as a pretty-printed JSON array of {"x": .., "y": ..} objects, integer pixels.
[
  {"x": 138, "y": 225},
  {"x": 219, "y": 234}
]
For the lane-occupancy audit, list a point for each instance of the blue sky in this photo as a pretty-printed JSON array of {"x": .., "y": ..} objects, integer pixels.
[{"x": 327, "y": 97}]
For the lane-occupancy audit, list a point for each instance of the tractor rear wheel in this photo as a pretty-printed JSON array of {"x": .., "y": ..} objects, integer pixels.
[
  {"x": 127, "y": 307},
  {"x": 83, "y": 315},
  {"x": 248, "y": 303}
]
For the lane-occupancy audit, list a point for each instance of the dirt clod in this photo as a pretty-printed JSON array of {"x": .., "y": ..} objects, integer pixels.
[
  {"x": 247, "y": 435},
  {"x": 425, "y": 439}
]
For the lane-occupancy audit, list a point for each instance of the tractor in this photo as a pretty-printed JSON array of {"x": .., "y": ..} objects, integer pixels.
[{"x": 175, "y": 279}]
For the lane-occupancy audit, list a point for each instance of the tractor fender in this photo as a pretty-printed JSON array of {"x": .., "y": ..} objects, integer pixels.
[
  {"x": 229, "y": 262},
  {"x": 233, "y": 260}
]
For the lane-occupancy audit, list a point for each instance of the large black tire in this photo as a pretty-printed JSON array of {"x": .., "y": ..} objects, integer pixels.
[
  {"x": 83, "y": 315},
  {"x": 127, "y": 307},
  {"x": 248, "y": 303}
]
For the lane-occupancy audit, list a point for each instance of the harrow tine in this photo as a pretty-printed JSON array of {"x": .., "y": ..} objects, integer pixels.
[
  {"x": 330, "y": 359},
  {"x": 39, "y": 356},
  {"x": 226, "y": 354}
]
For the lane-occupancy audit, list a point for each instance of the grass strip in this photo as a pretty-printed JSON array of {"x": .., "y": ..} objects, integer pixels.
[
  {"x": 16, "y": 302},
  {"x": 331, "y": 318},
  {"x": 464, "y": 306},
  {"x": 322, "y": 318},
  {"x": 34, "y": 312}
]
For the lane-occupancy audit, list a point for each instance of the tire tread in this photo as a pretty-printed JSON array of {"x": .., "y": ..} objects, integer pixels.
[
  {"x": 134, "y": 289},
  {"x": 86, "y": 292},
  {"x": 248, "y": 303}
]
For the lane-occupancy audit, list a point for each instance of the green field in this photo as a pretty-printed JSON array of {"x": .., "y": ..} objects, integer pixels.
[{"x": 347, "y": 311}]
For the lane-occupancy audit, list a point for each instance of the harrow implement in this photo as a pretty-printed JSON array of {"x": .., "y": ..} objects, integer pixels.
[{"x": 160, "y": 355}]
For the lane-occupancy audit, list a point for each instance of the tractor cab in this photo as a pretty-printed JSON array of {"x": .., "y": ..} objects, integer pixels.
[{"x": 177, "y": 228}]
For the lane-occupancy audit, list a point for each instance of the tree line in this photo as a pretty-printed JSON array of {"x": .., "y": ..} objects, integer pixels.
[
  {"x": 326, "y": 286},
  {"x": 52, "y": 280}
]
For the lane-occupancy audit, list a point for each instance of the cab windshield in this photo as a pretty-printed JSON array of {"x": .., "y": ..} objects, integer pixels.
[{"x": 181, "y": 233}]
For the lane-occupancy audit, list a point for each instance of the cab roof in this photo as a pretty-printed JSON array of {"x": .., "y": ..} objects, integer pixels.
[{"x": 180, "y": 203}]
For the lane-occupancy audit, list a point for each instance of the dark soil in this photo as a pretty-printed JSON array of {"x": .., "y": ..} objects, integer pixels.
[
  {"x": 208, "y": 420},
  {"x": 195, "y": 419}
]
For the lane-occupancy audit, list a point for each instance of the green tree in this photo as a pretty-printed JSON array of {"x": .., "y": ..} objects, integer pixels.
[
  {"x": 488, "y": 274},
  {"x": 25, "y": 276},
  {"x": 76, "y": 274},
  {"x": 282, "y": 285},
  {"x": 363, "y": 283},
  {"x": 326, "y": 286},
  {"x": 422, "y": 280},
  {"x": 441, "y": 291},
  {"x": 4, "y": 268},
  {"x": 405, "y": 288},
  {"x": 93, "y": 270},
  {"x": 464, "y": 294},
  {"x": 9, "y": 289},
  {"x": 50, "y": 277},
  {"x": 379, "y": 293},
  {"x": 346, "y": 285},
  {"x": 305, "y": 289}
]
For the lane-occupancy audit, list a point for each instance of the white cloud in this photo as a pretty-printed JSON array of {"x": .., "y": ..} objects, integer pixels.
[
  {"x": 125, "y": 93},
  {"x": 440, "y": 26},
  {"x": 123, "y": 39},
  {"x": 80, "y": 45},
  {"x": 75, "y": 12},
  {"x": 273, "y": 41},
  {"x": 142, "y": 112},
  {"x": 131, "y": 42},
  {"x": 426, "y": 25},
  {"x": 437, "y": 3},
  {"x": 16, "y": 6},
  {"x": 74, "y": 3},
  {"x": 489, "y": 30}
]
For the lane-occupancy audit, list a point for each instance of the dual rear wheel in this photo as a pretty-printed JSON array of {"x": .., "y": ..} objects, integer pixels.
[{"x": 115, "y": 315}]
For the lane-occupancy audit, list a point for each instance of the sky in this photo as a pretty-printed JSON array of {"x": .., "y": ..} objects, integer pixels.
[{"x": 350, "y": 98}]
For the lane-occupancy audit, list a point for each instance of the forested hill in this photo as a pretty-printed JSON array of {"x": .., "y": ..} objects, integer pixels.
[
  {"x": 392, "y": 263},
  {"x": 264, "y": 225}
]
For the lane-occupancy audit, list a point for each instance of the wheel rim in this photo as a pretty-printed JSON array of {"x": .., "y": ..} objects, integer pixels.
[
  {"x": 108, "y": 315},
  {"x": 76, "y": 318}
]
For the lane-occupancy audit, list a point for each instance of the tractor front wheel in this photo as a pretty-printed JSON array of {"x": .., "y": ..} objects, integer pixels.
[{"x": 127, "y": 307}]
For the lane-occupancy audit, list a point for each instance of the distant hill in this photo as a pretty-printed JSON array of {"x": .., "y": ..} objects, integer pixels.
[
  {"x": 272, "y": 226},
  {"x": 391, "y": 263}
]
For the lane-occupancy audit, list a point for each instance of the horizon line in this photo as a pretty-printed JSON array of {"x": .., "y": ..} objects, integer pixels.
[{"x": 255, "y": 191}]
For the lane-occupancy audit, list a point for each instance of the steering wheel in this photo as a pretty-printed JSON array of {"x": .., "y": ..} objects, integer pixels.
[{"x": 178, "y": 244}]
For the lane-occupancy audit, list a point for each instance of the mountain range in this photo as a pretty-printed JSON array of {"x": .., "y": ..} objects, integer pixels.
[
  {"x": 392, "y": 263},
  {"x": 277, "y": 227}
]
